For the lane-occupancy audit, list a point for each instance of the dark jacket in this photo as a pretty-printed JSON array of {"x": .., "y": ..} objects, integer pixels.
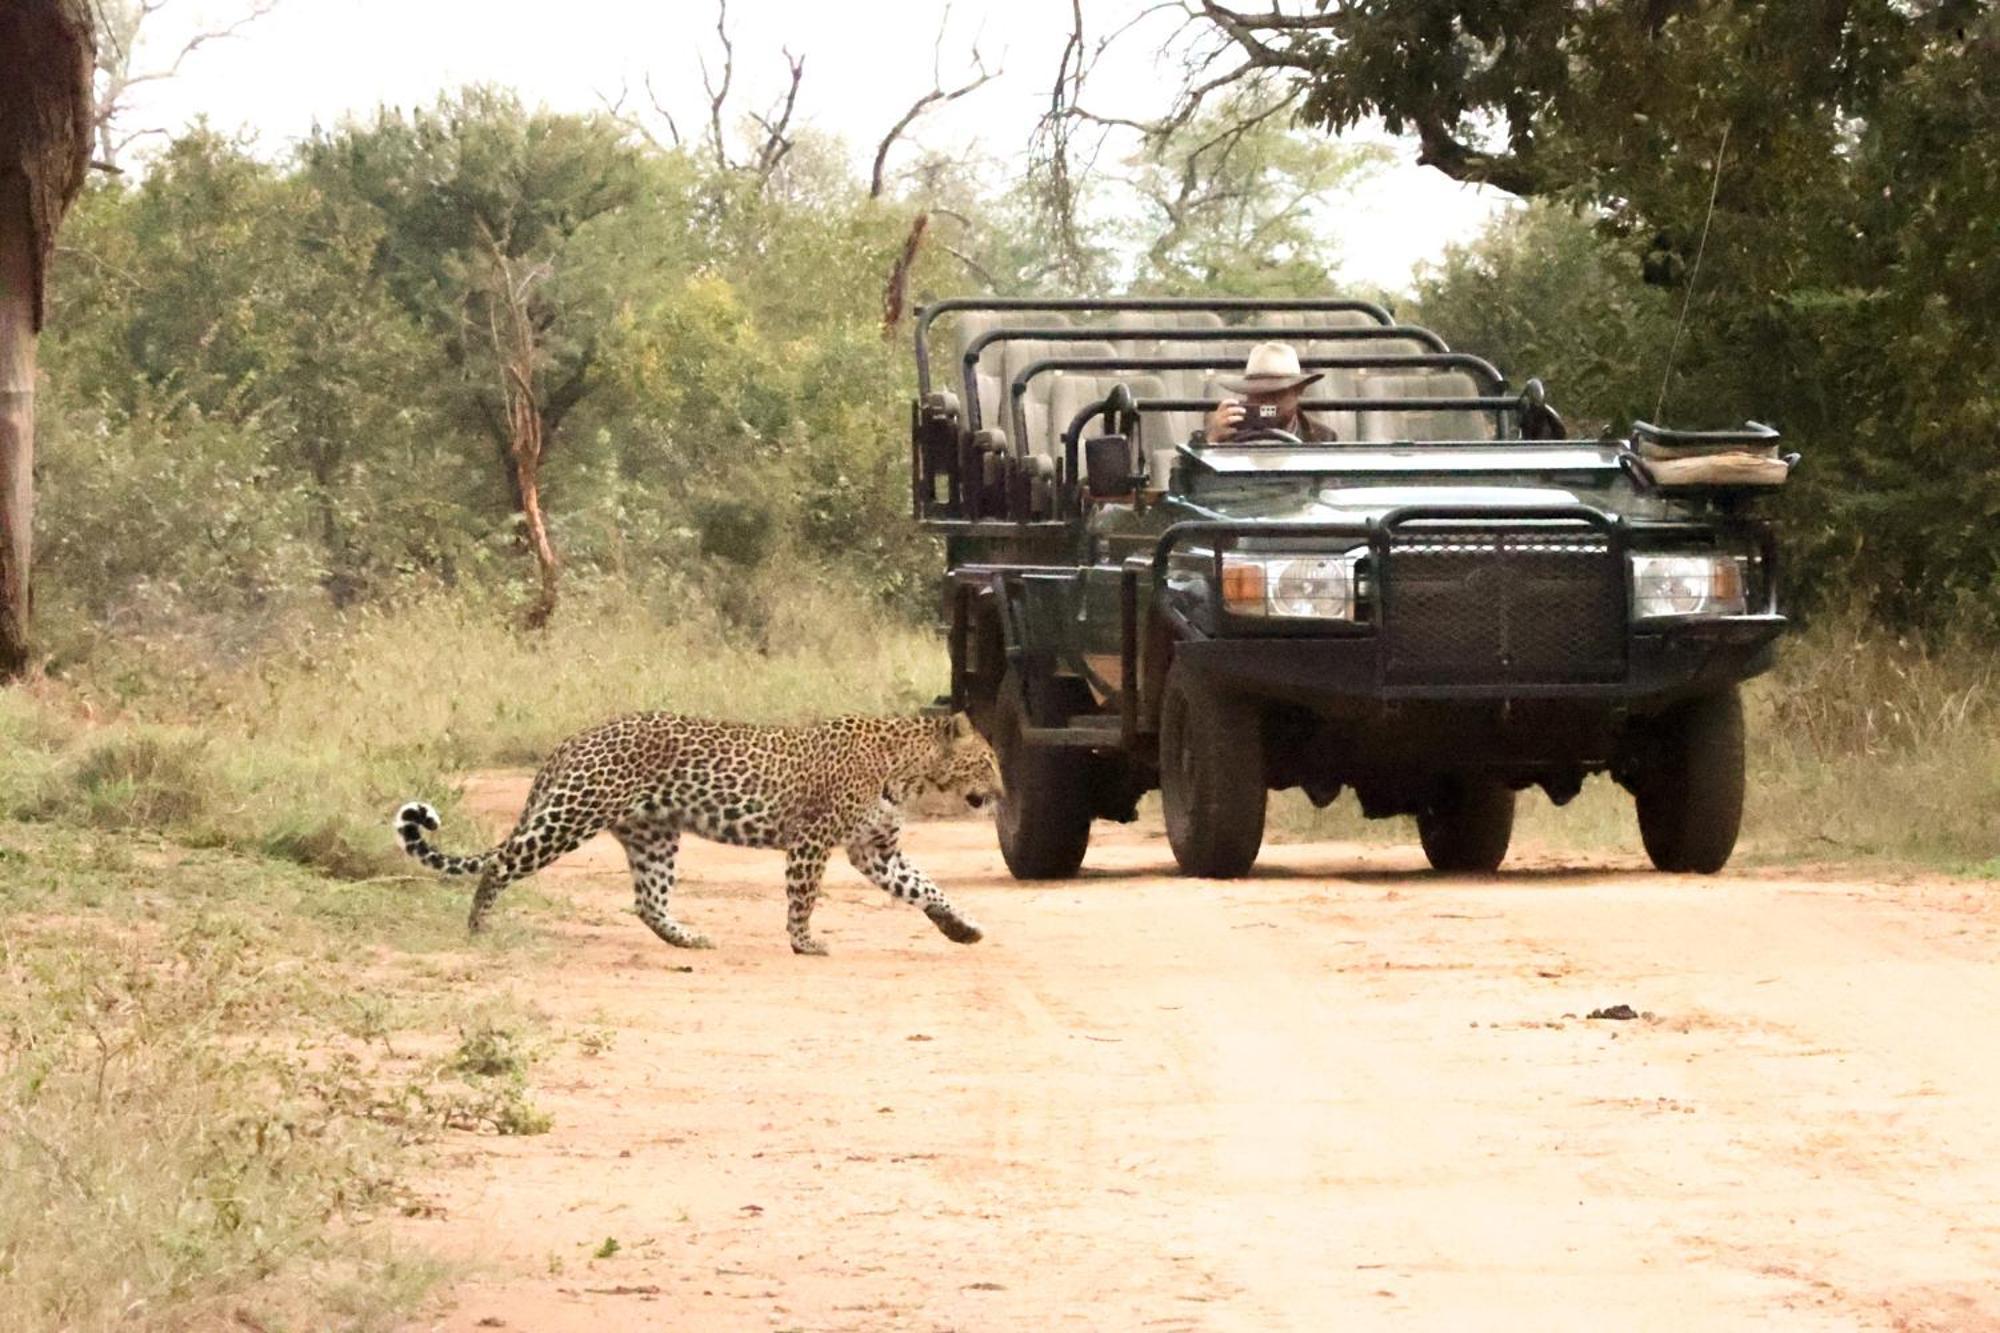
[
  {"x": 1314, "y": 431},
  {"x": 1309, "y": 428}
]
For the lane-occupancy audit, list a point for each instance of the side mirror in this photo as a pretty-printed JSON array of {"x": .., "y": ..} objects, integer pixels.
[{"x": 1107, "y": 467}]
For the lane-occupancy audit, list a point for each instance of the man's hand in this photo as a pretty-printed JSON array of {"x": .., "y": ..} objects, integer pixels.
[{"x": 1223, "y": 419}]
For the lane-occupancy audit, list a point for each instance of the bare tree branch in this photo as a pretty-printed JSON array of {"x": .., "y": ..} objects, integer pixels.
[
  {"x": 1438, "y": 147},
  {"x": 939, "y": 94},
  {"x": 1052, "y": 150},
  {"x": 123, "y": 28},
  {"x": 775, "y": 123},
  {"x": 718, "y": 95},
  {"x": 1439, "y": 144},
  {"x": 776, "y": 142},
  {"x": 1330, "y": 16},
  {"x": 615, "y": 108},
  {"x": 973, "y": 266},
  {"x": 660, "y": 110}
]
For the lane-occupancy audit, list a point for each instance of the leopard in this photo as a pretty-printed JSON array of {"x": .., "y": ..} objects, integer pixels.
[{"x": 648, "y": 778}]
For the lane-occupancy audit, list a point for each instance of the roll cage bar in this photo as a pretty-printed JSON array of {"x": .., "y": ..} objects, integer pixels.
[
  {"x": 927, "y": 314},
  {"x": 1538, "y": 421},
  {"x": 1480, "y": 366},
  {"x": 969, "y": 371}
]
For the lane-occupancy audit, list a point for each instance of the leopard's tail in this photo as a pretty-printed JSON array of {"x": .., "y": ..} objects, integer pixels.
[{"x": 416, "y": 819}]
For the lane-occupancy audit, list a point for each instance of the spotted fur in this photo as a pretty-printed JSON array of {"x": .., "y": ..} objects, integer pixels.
[{"x": 650, "y": 777}]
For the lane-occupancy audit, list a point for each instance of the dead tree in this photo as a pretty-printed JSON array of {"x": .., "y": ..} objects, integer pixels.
[
  {"x": 510, "y": 332},
  {"x": 47, "y": 49},
  {"x": 896, "y": 294},
  {"x": 119, "y": 72},
  {"x": 1057, "y": 163},
  {"x": 776, "y": 123}
]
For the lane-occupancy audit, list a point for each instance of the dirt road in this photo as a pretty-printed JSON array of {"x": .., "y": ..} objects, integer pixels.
[{"x": 1336, "y": 1095}]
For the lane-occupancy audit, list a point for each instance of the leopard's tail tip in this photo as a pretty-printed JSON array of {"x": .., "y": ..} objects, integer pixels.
[
  {"x": 413, "y": 820},
  {"x": 418, "y": 815}
]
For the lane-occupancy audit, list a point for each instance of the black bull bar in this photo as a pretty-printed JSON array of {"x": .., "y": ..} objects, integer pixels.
[{"x": 1669, "y": 654}]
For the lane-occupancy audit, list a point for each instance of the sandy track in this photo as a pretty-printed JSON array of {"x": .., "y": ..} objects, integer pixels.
[{"x": 1339, "y": 1094}]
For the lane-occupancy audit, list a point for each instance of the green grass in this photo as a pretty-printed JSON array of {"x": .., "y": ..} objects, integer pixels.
[
  {"x": 1863, "y": 746},
  {"x": 301, "y": 753},
  {"x": 211, "y": 1069}
]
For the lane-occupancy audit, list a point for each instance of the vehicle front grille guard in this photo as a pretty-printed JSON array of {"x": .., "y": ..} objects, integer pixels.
[
  {"x": 1412, "y": 524},
  {"x": 927, "y": 314}
]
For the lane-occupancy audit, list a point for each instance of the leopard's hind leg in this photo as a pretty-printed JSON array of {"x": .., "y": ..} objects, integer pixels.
[
  {"x": 542, "y": 836},
  {"x": 805, "y": 863},
  {"x": 650, "y": 847}
]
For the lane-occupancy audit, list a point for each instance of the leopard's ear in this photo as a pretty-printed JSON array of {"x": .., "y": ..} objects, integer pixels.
[{"x": 961, "y": 727}]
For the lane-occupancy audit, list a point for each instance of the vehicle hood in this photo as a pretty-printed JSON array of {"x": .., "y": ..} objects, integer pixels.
[
  {"x": 1350, "y": 504},
  {"x": 1348, "y": 483}
]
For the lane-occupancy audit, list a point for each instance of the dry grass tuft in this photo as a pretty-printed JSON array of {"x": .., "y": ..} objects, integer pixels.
[{"x": 1863, "y": 746}]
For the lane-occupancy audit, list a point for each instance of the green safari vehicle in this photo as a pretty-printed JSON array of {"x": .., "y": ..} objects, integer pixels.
[{"x": 1449, "y": 605}]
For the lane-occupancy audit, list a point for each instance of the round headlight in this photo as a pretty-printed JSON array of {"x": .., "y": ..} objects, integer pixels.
[
  {"x": 1312, "y": 587},
  {"x": 1705, "y": 584}
]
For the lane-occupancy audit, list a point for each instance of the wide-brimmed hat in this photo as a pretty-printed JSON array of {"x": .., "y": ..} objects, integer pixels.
[{"x": 1272, "y": 368}]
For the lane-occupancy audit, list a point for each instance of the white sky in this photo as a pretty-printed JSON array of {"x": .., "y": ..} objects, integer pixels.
[{"x": 321, "y": 60}]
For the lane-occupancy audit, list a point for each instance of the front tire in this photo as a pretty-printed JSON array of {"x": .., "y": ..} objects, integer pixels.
[
  {"x": 1465, "y": 831},
  {"x": 1044, "y": 814},
  {"x": 1211, "y": 777},
  {"x": 1690, "y": 793}
]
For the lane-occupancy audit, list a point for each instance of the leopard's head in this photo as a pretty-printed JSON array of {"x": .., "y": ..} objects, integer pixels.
[{"x": 964, "y": 765}]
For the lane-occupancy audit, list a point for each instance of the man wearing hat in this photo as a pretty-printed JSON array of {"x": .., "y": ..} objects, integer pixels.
[{"x": 1271, "y": 376}]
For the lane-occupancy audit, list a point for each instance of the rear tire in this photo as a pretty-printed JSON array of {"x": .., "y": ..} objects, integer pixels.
[
  {"x": 1690, "y": 794},
  {"x": 1467, "y": 829},
  {"x": 1211, "y": 777},
  {"x": 1044, "y": 814}
]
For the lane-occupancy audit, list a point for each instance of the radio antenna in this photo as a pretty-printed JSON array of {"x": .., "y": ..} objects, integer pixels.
[{"x": 1687, "y": 294}]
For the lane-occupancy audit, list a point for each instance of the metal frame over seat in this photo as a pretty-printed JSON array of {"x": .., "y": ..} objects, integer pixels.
[{"x": 1034, "y": 372}]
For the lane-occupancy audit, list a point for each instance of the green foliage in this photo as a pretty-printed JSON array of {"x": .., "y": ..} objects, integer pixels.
[
  {"x": 1847, "y": 290},
  {"x": 275, "y": 384},
  {"x": 1234, "y": 200},
  {"x": 162, "y": 503},
  {"x": 741, "y": 531},
  {"x": 491, "y": 1069},
  {"x": 1544, "y": 293},
  {"x": 191, "y": 1131}
]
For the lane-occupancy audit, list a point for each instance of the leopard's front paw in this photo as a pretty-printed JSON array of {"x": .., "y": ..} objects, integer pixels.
[{"x": 810, "y": 945}]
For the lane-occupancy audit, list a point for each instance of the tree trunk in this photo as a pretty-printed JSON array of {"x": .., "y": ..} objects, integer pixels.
[
  {"x": 17, "y": 419},
  {"x": 895, "y": 295},
  {"x": 47, "y": 52},
  {"x": 528, "y": 469},
  {"x": 513, "y": 338}
]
